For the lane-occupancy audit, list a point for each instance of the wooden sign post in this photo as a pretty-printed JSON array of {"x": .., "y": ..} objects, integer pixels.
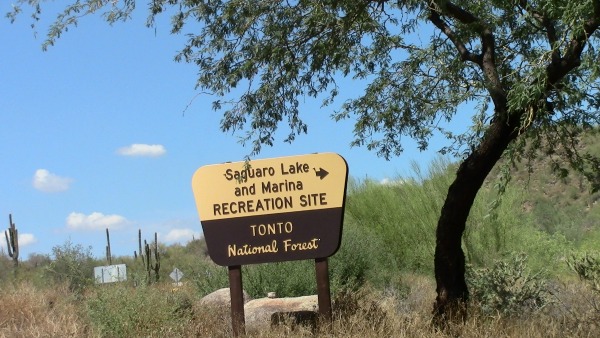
[{"x": 273, "y": 210}]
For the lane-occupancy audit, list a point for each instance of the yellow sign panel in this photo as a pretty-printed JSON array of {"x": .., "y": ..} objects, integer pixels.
[{"x": 270, "y": 186}]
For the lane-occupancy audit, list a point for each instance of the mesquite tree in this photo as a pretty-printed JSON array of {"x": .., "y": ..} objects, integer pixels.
[{"x": 522, "y": 71}]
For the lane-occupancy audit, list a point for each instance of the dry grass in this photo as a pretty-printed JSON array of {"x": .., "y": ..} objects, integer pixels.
[
  {"x": 26, "y": 311},
  {"x": 29, "y": 312},
  {"x": 371, "y": 314}
]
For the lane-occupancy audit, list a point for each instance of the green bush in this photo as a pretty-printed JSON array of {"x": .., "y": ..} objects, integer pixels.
[
  {"x": 587, "y": 267},
  {"x": 507, "y": 227},
  {"x": 287, "y": 279},
  {"x": 362, "y": 257},
  {"x": 118, "y": 310},
  {"x": 208, "y": 277},
  {"x": 508, "y": 287},
  {"x": 73, "y": 265},
  {"x": 403, "y": 213},
  {"x": 6, "y": 267}
]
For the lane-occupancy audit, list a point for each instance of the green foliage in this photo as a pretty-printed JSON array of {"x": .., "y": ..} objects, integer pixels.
[
  {"x": 545, "y": 251},
  {"x": 403, "y": 213},
  {"x": 508, "y": 287},
  {"x": 262, "y": 58},
  {"x": 493, "y": 225},
  {"x": 592, "y": 241},
  {"x": 72, "y": 264},
  {"x": 287, "y": 279},
  {"x": 507, "y": 227},
  {"x": 118, "y": 310},
  {"x": 208, "y": 277},
  {"x": 359, "y": 260},
  {"x": 5, "y": 266},
  {"x": 189, "y": 258},
  {"x": 363, "y": 258},
  {"x": 587, "y": 267}
]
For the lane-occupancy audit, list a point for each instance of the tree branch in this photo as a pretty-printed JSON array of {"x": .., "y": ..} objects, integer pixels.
[
  {"x": 558, "y": 68},
  {"x": 486, "y": 60},
  {"x": 465, "y": 54},
  {"x": 548, "y": 25}
]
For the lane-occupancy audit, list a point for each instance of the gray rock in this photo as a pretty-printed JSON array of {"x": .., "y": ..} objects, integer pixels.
[
  {"x": 262, "y": 313},
  {"x": 220, "y": 299}
]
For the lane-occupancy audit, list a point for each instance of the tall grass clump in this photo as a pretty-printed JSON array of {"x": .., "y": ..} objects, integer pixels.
[
  {"x": 286, "y": 279},
  {"x": 403, "y": 212},
  {"x": 31, "y": 311},
  {"x": 119, "y": 310},
  {"x": 208, "y": 277}
]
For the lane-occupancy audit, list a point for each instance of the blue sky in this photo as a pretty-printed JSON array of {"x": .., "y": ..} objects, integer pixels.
[{"x": 93, "y": 135}]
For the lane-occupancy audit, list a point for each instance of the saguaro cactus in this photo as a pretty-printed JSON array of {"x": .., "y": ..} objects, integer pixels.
[
  {"x": 156, "y": 265},
  {"x": 12, "y": 241},
  {"x": 108, "y": 254},
  {"x": 146, "y": 256},
  {"x": 139, "y": 252}
]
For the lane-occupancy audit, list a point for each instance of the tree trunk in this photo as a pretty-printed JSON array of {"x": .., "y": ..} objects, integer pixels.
[{"x": 449, "y": 261}]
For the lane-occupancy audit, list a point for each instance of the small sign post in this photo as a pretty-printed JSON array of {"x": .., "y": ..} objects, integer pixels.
[
  {"x": 272, "y": 210},
  {"x": 110, "y": 273},
  {"x": 176, "y": 275}
]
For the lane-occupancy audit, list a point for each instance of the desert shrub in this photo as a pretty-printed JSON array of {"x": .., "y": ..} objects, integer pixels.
[
  {"x": 6, "y": 267},
  {"x": 544, "y": 251},
  {"x": 73, "y": 265},
  {"x": 493, "y": 226},
  {"x": 508, "y": 287},
  {"x": 208, "y": 277},
  {"x": 587, "y": 267},
  {"x": 287, "y": 279},
  {"x": 119, "y": 310},
  {"x": 404, "y": 212},
  {"x": 362, "y": 257}
]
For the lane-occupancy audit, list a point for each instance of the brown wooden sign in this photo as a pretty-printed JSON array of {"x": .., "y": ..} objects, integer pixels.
[{"x": 272, "y": 210}]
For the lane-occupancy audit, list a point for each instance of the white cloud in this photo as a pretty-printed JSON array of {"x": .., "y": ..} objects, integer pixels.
[
  {"x": 146, "y": 150},
  {"x": 93, "y": 221},
  {"x": 24, "y": 240},
  {"x": 388, "y": 181},
  {"x": 46, "y": 181},
  {"x": 385, "y": 181},
  {"x": 181, "y": 235}
]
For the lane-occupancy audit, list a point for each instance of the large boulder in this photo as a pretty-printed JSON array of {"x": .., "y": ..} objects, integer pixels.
[
  {"x": 220, "y": 299},
  {"x": 262, "y": 313}
]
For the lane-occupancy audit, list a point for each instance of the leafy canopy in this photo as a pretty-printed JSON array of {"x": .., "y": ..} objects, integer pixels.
[{"x": 421, "y": 63}]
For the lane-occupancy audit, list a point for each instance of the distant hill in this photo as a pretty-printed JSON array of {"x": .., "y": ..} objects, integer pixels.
[{"x": 555, "y": 203}]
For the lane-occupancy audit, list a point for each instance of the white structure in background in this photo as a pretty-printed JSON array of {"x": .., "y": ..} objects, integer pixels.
[
  {"x": 110, "y": 273},
  {"x": 176, "y": 275}
]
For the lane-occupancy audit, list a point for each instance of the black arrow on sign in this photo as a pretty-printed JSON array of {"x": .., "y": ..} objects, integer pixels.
[{"x": 321, "y": 172}]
